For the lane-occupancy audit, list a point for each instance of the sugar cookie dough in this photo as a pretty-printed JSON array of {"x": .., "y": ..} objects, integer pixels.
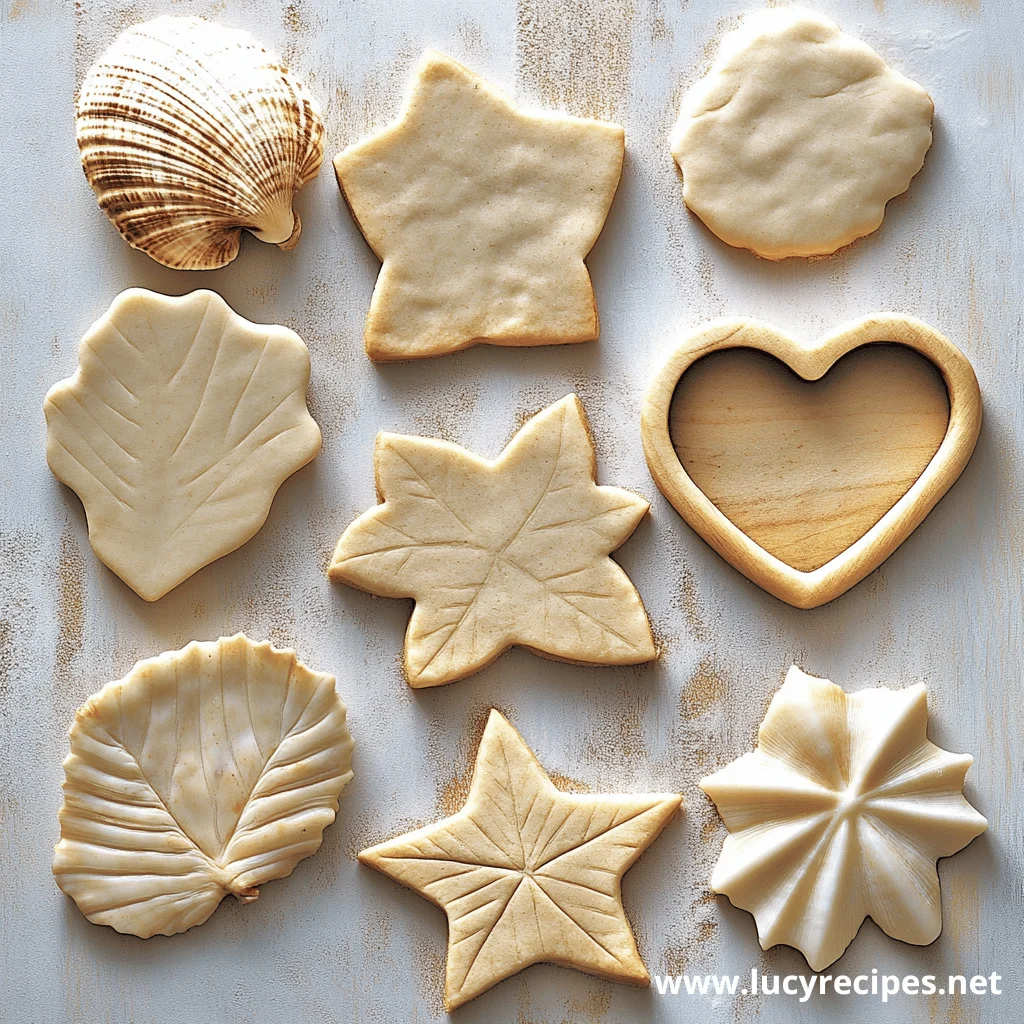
[
  {"x": 205, "y": 771},
  {"x": 527, "y": 874},
  {"x": 481, "y": 214},
  {"x": 513, "y": 551},
  {"x": 798, "y": 136},
  {"x": 840, "y": 813},
  {"x": 180, "y": 424}
]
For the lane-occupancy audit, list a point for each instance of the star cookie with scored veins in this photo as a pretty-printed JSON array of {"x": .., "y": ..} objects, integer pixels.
[
  {"x": 840, "y": 813},
  {"x": 514, "y": 551},
  {"x": 481, "y": 214},
  {"x": 527, "y": 874}
]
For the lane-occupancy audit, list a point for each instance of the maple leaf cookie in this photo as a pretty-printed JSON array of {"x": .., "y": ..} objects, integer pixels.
[
  {"x": 513, "y": 551},
  {"x": 481, "y": 214},
  {"x": 527, "y": 874},
  {"x": 840, "y": 813},
  {"x": 798, "y": 136},
  {"x": 180, "y": 424}
]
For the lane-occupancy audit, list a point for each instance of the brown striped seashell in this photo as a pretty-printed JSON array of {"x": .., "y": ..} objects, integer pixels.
[{"x": 190, "y": 133}]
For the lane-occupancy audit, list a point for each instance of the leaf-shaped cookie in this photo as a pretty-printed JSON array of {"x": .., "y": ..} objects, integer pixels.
[
  {"x": 513, "y": 551},
  {"x": 205, "y": 771},
  {"x": 527, "y": 874},
  {"x": 176, "y": 431}
]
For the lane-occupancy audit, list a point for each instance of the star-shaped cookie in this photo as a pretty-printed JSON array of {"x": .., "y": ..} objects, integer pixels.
[
  {"x": 513, "y": 551},
  {"x": 841, "y": 813},
  {"x": 481, "y": 214},
  {"x": 528, "y": 874}
]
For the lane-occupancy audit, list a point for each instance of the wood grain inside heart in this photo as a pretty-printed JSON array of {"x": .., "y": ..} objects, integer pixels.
[{"x": 805, "y": 468}]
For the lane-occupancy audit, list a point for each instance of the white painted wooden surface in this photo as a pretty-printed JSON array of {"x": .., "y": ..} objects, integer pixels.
[{"x": 336, "y": 942}]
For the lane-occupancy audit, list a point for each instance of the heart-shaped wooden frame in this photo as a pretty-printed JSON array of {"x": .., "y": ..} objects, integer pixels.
[{"x": 811, "y": 362}]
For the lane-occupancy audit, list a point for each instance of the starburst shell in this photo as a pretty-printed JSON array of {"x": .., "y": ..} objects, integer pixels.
[
  {"x": 840, "y": 813},
  {"x": 190, "y": 133}
]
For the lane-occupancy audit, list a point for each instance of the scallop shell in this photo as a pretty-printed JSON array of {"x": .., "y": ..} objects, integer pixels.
[{"x": 190, "y": 132}]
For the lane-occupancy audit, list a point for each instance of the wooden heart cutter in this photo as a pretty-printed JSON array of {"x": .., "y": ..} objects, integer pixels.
[{"x": 809, "y": 588}]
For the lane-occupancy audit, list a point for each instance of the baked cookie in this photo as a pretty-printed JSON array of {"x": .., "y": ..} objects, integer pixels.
[
  {"x": 204, "y": 772},
  {"x": 527, "y": 874},
  {"x": 513, "y": 551},
  {"x": 840, "y": 813},
  {"x": 180, "y": 424},
  {"x": 481, "y": 214},
  {"x": 798, "y": 136}
]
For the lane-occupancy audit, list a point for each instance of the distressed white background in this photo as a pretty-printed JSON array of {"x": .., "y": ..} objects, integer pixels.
[{"x": 336, "y": 942}]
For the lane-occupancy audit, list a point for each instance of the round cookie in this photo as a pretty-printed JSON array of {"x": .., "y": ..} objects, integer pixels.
[{"x": 798, "y": 136}]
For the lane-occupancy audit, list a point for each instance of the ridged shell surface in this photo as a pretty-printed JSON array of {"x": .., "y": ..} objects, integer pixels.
[
  {"x": 190, "y": 133},
  {"x": 840, "y": 813},
  {"x": 205, "y": 771}
]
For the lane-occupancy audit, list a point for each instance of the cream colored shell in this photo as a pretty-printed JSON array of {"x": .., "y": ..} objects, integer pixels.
[
  {"x": 527, "y": 874},
  {"x": 841, "y": 813},
  {"x": 190, "y": 133},
  {"x": 176, "y": 431},
  {"x": 205, "y": 771},
  {"x": 514, "y": 551},
  {"x": 798, "y": 136}
]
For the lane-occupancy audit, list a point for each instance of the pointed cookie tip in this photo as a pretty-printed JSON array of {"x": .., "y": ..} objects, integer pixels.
[{"x": 370, "y": 856}]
